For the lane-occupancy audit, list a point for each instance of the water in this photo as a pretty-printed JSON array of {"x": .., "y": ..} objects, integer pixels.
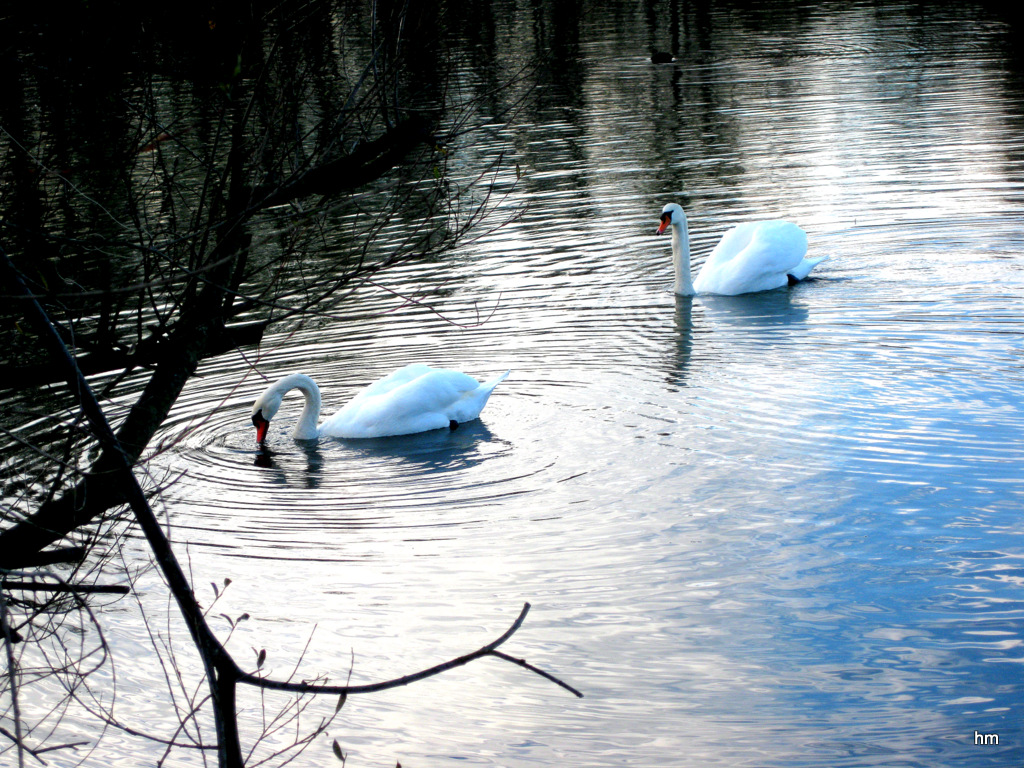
[{"x": 770, "y": 530}]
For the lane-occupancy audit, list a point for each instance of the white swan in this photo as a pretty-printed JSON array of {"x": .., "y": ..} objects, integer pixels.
[
  {"x": 416, "y": 398},
  {"x": 753, "y": 256}
]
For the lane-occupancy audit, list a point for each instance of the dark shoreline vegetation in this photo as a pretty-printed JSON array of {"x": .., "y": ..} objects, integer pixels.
[
  {"x": 166, "y": 173},
  {"x": 153, "y": 198}
]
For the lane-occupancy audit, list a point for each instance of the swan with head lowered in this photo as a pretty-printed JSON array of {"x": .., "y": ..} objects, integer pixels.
[
  {"x": 416, "y": 398},
  {"x": 753, "y": 256}
]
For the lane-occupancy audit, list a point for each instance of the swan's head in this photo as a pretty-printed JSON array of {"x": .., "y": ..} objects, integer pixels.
[
  {"x": 263, "y": 410},
  {"x": 671, "y": 214}
]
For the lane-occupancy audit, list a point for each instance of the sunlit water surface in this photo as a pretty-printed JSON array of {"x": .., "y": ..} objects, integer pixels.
[{"x": 772, "y": 530}]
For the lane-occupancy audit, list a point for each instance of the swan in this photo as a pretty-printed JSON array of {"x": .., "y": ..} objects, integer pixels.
[
  {"x": 753, "y": 256},
  {"x": 416, "y": 398}
]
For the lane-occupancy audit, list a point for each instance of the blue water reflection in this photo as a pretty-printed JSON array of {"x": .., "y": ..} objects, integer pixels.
[{"x": 772, "y": 530}]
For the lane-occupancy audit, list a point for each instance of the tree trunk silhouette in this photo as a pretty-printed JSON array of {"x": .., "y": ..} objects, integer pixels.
[{"x": 142, "y": 206}]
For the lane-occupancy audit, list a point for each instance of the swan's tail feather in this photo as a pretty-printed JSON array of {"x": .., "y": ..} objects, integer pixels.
[
  {"x": 803, "y": 269},
  {"x": 490, "y": 385},
  {"x": 468, "y": 407}
]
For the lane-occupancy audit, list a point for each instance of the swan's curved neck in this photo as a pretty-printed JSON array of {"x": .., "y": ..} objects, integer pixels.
[
  {"x": 306, "y": 429},
  {"x": 681, "y": 258}
]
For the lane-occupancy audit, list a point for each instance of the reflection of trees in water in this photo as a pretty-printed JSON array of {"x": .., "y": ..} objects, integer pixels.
[
  {"x": 162, "y": 206},
  {"x": 180, "y": 222}
]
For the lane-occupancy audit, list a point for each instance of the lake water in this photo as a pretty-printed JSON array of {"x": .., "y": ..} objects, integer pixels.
[{"x": 773, "y": 530}]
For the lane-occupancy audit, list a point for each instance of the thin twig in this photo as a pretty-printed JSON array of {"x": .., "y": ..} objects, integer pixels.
[{"x": 486, "y": 650}]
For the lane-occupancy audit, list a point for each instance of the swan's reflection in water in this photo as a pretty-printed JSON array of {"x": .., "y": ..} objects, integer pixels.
[
  {"x": 422, "y": 453},
  {"x": 280, "y": 474},
  {"x": 750, "y": 317},
  {"x": 755, "y": 310},
  {"x": 436, "y": 449},
  {"x": 264, "y": 458},
  {"x": 682, "y": 341}
]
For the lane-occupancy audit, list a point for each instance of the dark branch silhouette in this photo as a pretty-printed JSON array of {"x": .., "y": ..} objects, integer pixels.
[
  {"x": 141, "y": 238},
  {"x": 223, "y": 673}
]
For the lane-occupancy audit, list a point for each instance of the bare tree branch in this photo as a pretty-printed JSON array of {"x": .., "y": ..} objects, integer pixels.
[
  {"x": 222, "y": 672},
  {"x": 197, "y": 225}
]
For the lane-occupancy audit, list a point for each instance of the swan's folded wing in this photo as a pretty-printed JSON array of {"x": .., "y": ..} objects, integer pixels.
[
  {"x": 469, "y": 405},
  {"x": 803, "y": 269},
  {"x": 393, "y": 380},
  {"x": 414, "y": 399},
  {"x": 731, "y": 245},
  {"x": 754, "y": 256},
  {"x": 785, "y": 241}
]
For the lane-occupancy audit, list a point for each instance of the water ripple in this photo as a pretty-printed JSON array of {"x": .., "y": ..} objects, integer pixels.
[{"x": 797, "y": 512}]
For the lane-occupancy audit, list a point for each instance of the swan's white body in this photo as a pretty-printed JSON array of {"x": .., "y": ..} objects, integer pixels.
[
  {"x": 413, "y": 399},
  {"x": 753, "y": 256}
]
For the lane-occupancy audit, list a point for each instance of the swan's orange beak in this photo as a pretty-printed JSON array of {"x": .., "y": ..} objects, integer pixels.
[
  {"x": 666, "y": 219},
  {"x": 262, "y": 425}
]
